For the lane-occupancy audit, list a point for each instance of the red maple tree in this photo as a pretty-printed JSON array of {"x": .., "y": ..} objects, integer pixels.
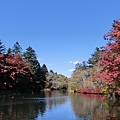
[
  {"x": 110, "y": 74},
  {"x": 12, "y": 69}
]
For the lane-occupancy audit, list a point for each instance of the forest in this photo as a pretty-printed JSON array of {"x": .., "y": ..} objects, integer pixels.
[
  {"x": 21, "y": 71},
  {"x": 101, "y": 73}
]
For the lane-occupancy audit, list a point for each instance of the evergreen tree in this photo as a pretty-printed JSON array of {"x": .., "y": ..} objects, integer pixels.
[
  {"x": 51, "y": 71},
  {"x": 95, "y": 57},
  {"x": 17, "y": 49},
  {"x": 2, "y": 47},
  {"x": 44, "y": 71},
  {"x": 44, "y": 68},
  {"x": 38, "y": 82},
  {"x": 78, "y": 66},
  {"x": 39, "y": 76},
  {"x": 84, "y": 65},
  {"x": 30, "y": 56},
  {"x": 9, "y": 51},
  {"x": 81, "y": 66}
]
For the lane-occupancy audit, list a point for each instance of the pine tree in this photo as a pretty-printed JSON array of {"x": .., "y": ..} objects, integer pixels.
[
  {"x": 95, "y": 57},
  {"x": 9, "y": 51},
  {"x": 31, "y": 57},
  {"x": 44, "y": 68},
  {"x": 2, "y": 47},
  {"x": 17, "y": 49}
]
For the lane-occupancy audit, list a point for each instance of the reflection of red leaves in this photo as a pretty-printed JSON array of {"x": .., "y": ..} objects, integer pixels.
[{"x": 118, "y": 108}]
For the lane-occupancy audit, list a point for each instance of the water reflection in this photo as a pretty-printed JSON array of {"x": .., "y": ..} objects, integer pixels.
[
  {"x": 57, "y": 105},
  {"x": 28, "y": 106},
  {"x": 94, "y": 107}
]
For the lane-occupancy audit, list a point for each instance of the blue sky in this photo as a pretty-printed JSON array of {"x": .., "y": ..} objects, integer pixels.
[{"x": 61, "y": 32}]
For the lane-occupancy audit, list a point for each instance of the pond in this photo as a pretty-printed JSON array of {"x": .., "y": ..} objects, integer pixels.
[{"x": 57, "y": 105}]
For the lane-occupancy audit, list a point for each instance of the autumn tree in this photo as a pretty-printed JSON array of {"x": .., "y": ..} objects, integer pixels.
[
  {"x": 110, "y": 73},
  {"x": 14, "y": 71},
  {"x": 51, "y": 79},
  {"x": 56, "y": 81}
]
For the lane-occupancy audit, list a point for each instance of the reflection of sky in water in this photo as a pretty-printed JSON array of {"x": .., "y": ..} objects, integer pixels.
[{"x": 58, "y": 112}]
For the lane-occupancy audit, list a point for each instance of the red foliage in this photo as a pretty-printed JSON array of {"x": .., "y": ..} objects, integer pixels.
[
  {"x": 114, "y": 34},
  {"x": 92, "y": 91},
  {"x": 13, "y": 67},
  {"x": 111, "y": 57}
]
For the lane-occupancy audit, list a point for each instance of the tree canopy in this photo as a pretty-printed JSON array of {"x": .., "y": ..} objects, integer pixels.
[
  {"x": 111, "y": 58},
  {"x": 17, "y": 48},
  {"x": 13, "y": 69}
]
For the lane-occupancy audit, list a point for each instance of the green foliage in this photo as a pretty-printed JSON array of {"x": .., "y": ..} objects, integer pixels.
[
  {"x": 39, "y": 76},
  {"x": 16, "y": 49},
  {"x": 95, "y": 57},
  {"x": 9, "y": 51},
  {"x": 81, "y": 66},
  {"x": 105, "y": 89},
  {"x": 39, "y": 79},
  {"x": 44, "y": 68},
  {"x": 31, "y": 57},
  {"x": 2, "y": 47}
]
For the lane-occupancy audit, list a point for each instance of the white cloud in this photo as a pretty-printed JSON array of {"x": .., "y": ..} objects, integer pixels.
[
  {"x": 73, "y": 63},
  {"x": 76, "y": 62},
  {"x": 71, "y": 70}
]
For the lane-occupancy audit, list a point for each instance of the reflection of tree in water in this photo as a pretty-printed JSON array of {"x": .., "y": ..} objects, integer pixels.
[
  {"x": 113, "y": 109},
  {"x": 94, "y": 108},
  {"x": 20, "y": 108},
  {"x": 56, "y": 98},
  {"x": 28, "y": 106}
]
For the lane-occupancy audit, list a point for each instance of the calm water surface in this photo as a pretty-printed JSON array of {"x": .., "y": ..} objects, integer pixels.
[{"x": 57, "y": 105}]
